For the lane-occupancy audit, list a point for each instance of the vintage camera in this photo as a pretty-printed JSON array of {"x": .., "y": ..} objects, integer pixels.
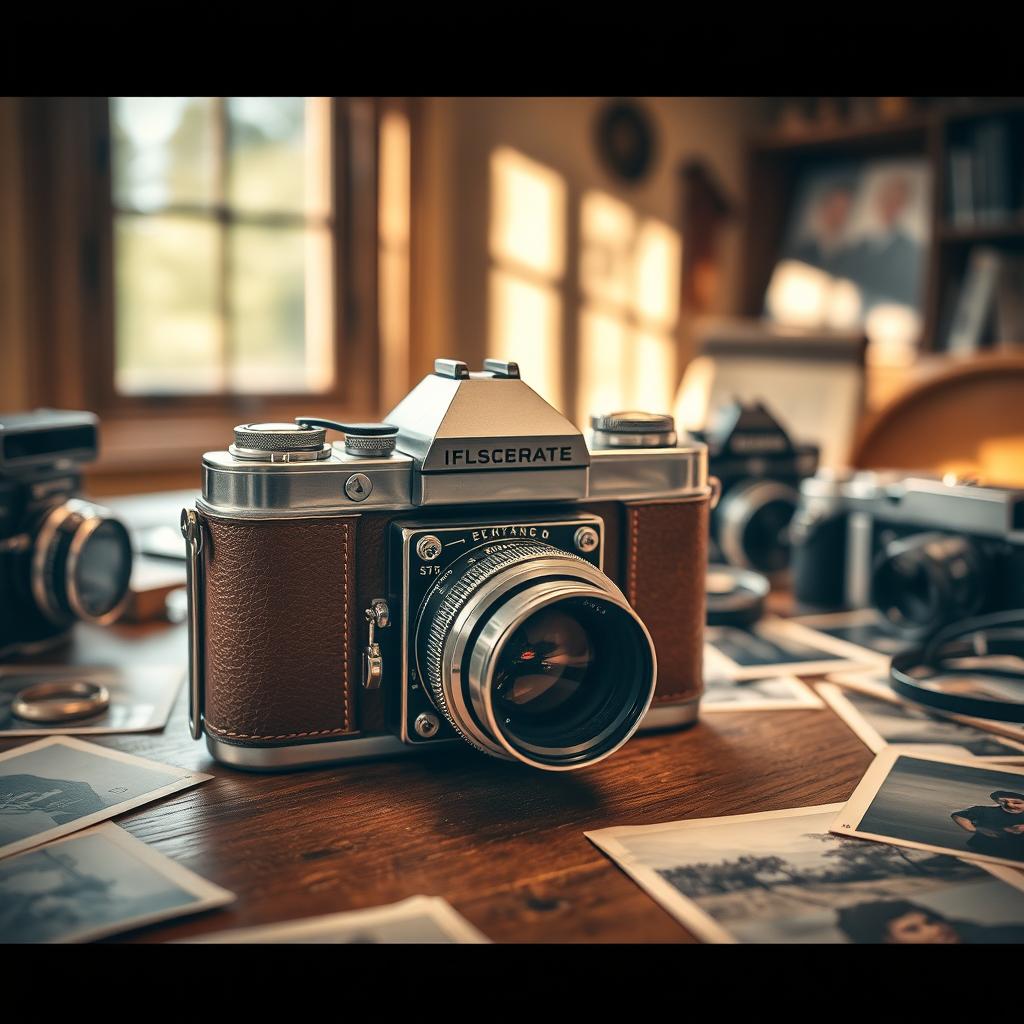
[
  {"x": 61, "y": 558},
  {"x": 760, "y": 470},
  {"x": 924, "y": 551},
  {"x": 470, "y": 570}
]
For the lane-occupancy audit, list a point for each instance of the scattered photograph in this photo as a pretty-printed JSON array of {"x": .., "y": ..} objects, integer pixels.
[
  {"x": 415, "y": 920},
  {"x": 876, "y": 684},
  {"x": 775, "y": 647},
  {"x": 879, "y": 723},
  {"x": 783, "y": 877},
  {"x": 140, "y": 699},
  {"x": 864, "y": 628},
  {"x": 60, "y": 785},
  {"x": 945, "y": 805},
  {"x": 96, "y": 883},
  {"x": 781, "y": 693}
]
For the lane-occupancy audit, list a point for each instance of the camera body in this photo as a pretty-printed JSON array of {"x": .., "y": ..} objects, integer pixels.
[
  {"x": 924, "y": 551},
  {"x": 61, "y": 558},
  {"x": 760, "y": 469},
  {"x": 487, "y": 578}
]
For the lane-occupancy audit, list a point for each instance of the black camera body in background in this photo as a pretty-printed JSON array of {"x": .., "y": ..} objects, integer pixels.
[
  {"x": 760, "y": 469},
  {"x": 923, "y": 551},
  {"x": 61, "y": 558}
]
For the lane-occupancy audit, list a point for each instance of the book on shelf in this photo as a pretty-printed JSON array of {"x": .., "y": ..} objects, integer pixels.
[
  {"x": 990, "y": 304},
  {"x": 981, "y": 186}
]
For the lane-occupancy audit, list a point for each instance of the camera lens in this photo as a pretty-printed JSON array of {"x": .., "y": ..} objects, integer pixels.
[
  {"x": 81, "y": 564},
  {"x": 534, "y": 654},
  {"x": 753, "y": 524},
  {"x": 923, "y": 581}
]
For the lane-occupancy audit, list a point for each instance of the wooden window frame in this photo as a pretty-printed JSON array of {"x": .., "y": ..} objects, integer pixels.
[{"x": 69, "y": 254}]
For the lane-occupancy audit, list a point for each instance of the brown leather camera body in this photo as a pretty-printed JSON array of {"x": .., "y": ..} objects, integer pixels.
[
  {"x": 306, "y": 572},
  {"x": 283, "y": 609}
]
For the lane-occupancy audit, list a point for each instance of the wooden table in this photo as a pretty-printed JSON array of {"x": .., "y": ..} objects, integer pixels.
[{"x": 503, "y": 844}]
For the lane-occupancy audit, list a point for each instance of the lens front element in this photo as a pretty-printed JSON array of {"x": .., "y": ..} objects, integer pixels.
[{"x": 534, "y": 654}]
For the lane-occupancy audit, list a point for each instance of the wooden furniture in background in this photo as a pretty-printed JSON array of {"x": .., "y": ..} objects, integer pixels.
[
  {"x": 777, "y": 159},
  {"x": 966, "y": 419}
]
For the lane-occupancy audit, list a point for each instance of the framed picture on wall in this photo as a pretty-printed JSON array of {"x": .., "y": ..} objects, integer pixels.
[{"x": 853, "y": 255}]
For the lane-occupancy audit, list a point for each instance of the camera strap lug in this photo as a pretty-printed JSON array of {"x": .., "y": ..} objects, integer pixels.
[
  {"x": 192, "y": 531},
  {"x": 378, "y": 616}
]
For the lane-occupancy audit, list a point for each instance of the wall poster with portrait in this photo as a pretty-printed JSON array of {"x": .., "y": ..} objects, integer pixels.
[{"x": 854, "y": 253}]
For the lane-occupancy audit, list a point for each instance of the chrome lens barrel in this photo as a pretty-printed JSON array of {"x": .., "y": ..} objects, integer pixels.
[
  {"x": 533, "y": 654},
  {"x": 81, "y": 564}
]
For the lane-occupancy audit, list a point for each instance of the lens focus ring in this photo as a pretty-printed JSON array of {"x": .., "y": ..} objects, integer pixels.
[{"x": 455, "y": 600}]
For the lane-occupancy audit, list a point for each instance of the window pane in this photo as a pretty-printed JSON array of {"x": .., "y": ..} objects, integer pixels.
[
  {"x": 603, "y": 368},
  {"x": 525, "y": 327},
  {"x": 168, "y": 327},
  {"x": 279, "y": 156},
  {"x": 163, "y": 151},
  {"x": 527, "y": 223},
  {"x": 653, "y": 368},
  {"x": 607, "y": 226},
  {"x": 280, "y": 307},
  {"x": 656, "y": 274}
]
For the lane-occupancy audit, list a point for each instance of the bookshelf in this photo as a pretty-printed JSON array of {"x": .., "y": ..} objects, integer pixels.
[{"x": 936, "y": 131}]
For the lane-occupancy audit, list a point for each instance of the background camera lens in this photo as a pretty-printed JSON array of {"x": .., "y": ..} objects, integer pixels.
[
  {"x": 753, "y": 525},
  {"x": 923, "y": 581},
  {"x": 82, "y": 563}
]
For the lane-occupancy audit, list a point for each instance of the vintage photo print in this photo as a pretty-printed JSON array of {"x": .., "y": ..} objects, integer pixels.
[
  {"x": 418, "y": 919},
  {"x": 140, "y": 699},
  {"x": 782, "y": 877},
  {"x": 963, "y": 807},
  {"x": 879, "y": 723},
  {"x": 96, "y": 883},
  {"x": 60, "y": 785},
  {"x": 864, "y": 629},
  {"x": 775, "y": 647},
  {"x": 876, "y": 683},
  {"x": 780, "y": 693}
]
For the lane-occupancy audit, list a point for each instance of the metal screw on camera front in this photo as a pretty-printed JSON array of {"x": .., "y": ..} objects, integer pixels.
[
  {"x": 428, "y": 548},
  {"x": 378, "y": 616},
  {"x": 586, "y": 539},
  {"x": 426, "y": 725}
]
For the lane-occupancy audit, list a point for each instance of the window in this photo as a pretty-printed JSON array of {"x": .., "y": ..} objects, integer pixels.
[
  {"x": 527, "y": 246},
  {"x": 629, "y": 279},
  {"x": 223, "y": 245}
]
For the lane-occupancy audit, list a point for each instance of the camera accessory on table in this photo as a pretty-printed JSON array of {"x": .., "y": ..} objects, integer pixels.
[{"x": 493, "y": 579}]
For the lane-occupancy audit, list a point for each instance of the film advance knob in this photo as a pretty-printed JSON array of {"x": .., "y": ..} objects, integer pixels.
[
  {"x": 279, "y": 442},
  {"x": 633, "y": 430}
]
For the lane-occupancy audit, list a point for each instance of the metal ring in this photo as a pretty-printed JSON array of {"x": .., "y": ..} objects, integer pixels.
[{"x": 40, "y": 703}]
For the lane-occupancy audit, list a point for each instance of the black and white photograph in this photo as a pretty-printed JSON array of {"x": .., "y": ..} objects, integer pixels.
[
  {"x": 418, "y": 919},
  {"x": 854, "y": 249},
  {"x": 60, "y": 784},
  {"x": 775, "y": 647},
  {"x": 945, "y": 805},
  {"x": 880, "y": 722},
  {"x": 779, "y": 693},
  {"x": 863, "y": 628},
  {"x": 96, "y": 883},
  {"x": 782, "y": 877},
  {"x": 140, "y": 699}
]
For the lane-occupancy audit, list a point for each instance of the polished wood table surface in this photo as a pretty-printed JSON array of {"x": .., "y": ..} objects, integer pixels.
[{"x": 502, "y": 843}]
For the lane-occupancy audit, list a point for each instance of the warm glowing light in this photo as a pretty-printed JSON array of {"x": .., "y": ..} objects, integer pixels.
[
  {"x": 652, "y": 371},
  {"x": 893, "y": 330},
  {"x": 656, "y": 269},
  {"x": 797, "y": 294},
  {"x": 525, "y": 326},
  {"x": 528, "y": 202},
  {"x": 602, "y": 365},
  {"x": 393, "y": 218},
  {"x": 607, "y": 227},
  {"x": 691, "y": 408}
]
